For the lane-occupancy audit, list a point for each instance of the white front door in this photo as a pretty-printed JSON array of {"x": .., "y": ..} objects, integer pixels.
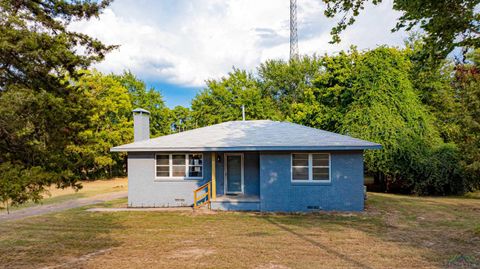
[{"x": 233, "y": 173}]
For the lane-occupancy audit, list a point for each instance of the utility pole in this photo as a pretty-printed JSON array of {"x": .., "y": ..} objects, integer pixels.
[{"x": 293, "y": 30}]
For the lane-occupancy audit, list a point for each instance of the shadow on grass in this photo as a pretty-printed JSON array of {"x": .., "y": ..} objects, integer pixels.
[
  {"x": 443, "y": 227},
  {"x": 317, "y": 244},
  {"x": 63, "y": 239},
  {"x": 440, "y": 229}
]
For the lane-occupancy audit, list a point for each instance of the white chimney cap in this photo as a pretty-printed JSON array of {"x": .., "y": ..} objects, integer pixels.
[{"x": 141, "y": 111}]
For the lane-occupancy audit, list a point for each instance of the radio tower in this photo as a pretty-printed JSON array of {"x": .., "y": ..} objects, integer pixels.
[{"x": 293, "y": 30}]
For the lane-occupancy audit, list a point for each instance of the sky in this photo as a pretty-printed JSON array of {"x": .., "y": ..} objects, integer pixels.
[{"x": 176, "y": 45}]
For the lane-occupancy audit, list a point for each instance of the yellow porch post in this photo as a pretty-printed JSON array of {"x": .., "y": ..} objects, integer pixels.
[{"x": 214, "y": 180}]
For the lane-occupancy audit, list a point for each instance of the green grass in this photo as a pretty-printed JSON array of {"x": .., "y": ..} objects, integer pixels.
[
  {"x": 395, "y": 232},
  {"x": 473, "y": 195}
]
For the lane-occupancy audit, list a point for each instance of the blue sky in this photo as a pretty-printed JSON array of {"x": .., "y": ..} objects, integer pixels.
[
  {"x": 174, "y": 95},
  {"x": 175, "y": 45}
]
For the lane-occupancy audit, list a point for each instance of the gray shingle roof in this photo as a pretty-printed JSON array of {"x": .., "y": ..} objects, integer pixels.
[{"x": 253, "y": 135}]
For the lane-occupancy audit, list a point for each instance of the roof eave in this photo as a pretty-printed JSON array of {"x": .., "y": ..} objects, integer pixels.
[{"x": 243, "y": 148}]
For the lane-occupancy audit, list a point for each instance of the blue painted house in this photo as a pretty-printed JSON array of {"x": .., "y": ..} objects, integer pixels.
[{"x": 258, "y": 165}]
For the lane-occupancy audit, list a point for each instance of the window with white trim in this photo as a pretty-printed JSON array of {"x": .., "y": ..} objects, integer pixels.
[
  {"x": 313, "y": 167},
  {"x": 179, "y": 165},
  {"x": 195, "y": 165},
  {"x": 163, "y": 165},
  {"x": 321, "y": 166}
]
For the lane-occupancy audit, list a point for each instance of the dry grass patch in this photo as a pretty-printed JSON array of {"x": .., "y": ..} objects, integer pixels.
[
  {"x": 92, "y": 187},
  {"x": 394, "y": 232}
]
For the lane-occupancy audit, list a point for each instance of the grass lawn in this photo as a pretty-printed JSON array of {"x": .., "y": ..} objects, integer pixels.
[
  {"x": 90, "y": 188},
  {"x": 394, "y": 232}
]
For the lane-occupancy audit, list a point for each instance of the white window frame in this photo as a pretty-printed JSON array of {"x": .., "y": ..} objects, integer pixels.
[
  {"x": 170, "y": 165},
  {"x": 310, "y": 168}
]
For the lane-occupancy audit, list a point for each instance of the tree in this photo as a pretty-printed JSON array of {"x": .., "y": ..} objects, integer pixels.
[
  {"x": 41, "y": 111},
  {"x": 18, "y": 185},
  {"x": 385, "y": 108},
  {"x": 37, "y": 49},
  {"x": 433, "y": 84},
  {"x": 222, "y": 100},
  {"x": 285, "y": 82},
  {"x": 326, "y": 108},
  {"x": 383, "y": 95},
  {"x": 372, "y": 95},
  {"x": 447, "y": 24},
  {"x": 108, "y": 124},
  {"x": 450, "y": 91},
  {"x": 181, "y": 119},
  {"x": 466, "y": 86},
  {"x": 150, "y": 100},
  {"x": 35, "y": 129}
]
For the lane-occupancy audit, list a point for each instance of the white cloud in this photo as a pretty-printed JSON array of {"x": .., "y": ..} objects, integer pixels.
[{"x": 186, "y": 42}]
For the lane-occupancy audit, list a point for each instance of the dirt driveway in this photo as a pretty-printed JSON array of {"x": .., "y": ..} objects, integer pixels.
[{"x": 44, "y": 209}]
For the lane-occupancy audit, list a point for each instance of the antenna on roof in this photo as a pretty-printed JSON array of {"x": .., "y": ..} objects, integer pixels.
[{"x": 243, "y": 112}]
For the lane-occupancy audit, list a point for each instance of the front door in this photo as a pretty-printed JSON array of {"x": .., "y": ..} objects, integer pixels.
[{"x": 233, "y": 173}]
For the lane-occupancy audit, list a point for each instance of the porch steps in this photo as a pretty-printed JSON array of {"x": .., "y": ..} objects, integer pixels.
[
  {"x": 202, "y": 196},
  {"x": 238, "y": 203}
]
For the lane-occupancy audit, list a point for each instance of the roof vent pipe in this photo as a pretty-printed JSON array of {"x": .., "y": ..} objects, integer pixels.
[
  {"x": 141, "y": 124},
  {"x": 243, "y": 112}
]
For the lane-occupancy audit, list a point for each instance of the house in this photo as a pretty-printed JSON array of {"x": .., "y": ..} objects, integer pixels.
[{"x": 257, "y": 165}]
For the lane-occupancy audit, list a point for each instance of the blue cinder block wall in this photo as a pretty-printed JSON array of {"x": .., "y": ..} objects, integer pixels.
[{"x": 343, "y": 193}]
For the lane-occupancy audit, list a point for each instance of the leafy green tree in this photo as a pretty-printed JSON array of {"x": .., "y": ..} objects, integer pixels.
[
  {"x": 447, "y": 24},
  {"x": 466, "y": 85},
  {"x": 19, "y": 185},
  {"x": 441, "y": 172},
  {"x": 433, "y": 84},
  {"x": 386, "y": 108},
  {"x": 109, "y": 101},
  {"x": 150, "y": 100},
  {"x": 181, "y": 119},
  {"x": 285, "y": 82},
  {"x": 371, "y": 95},
  {"x": 383, "y": 95},
  {"x": 450, "y": 91},
  {"x": 40, "y": 111},
  {"x": 108, "y": 124},
  {"x": 327, "y": 100},
  {"x": 36, "y": 127},
  {"x": 222, "y": 100},
  {"x": 38, "y": 50}
]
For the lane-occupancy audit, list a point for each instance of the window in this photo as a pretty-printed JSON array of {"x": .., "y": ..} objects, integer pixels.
[
  {"x": 300, "y": 167},
  {"x": 163, "y": 166},
  {"x": 321, "y": 166},
  {"x": 313, "y": 167},
  {"x": 179, "y": 165},
  {"x": 195, "y": 165}
]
